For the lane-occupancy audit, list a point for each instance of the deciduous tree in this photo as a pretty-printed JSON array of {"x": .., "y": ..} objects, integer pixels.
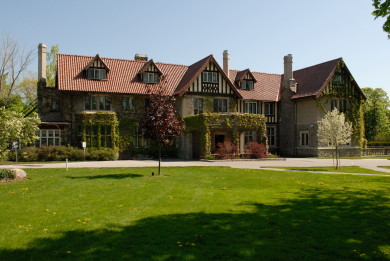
[
  {"x": 335, "y": 131},
  {"x": 15, "y": 127},
  {"x": 13, "y": 63},
  {"x": 51, "y": 67},
  {"x": 161, "y": 122},
  {"x": 376, "y": 113},
  {"x": 382, "y": 9}
]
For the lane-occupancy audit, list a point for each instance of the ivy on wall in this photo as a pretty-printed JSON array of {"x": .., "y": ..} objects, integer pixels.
[
  {"x": 99, "y": 119},
  {"x": 235, "y": 123},
  {"x": 346, "y": 90}
]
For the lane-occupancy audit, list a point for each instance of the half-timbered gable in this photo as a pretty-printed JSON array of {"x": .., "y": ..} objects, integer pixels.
[
  {"x": 150, "y": 73},
  {"x": 96, "y": 69}
]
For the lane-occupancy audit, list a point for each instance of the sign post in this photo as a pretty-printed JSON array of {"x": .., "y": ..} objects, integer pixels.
[
  {"x": 84, "y": 144},
  {"x": 15, "y": 146}
]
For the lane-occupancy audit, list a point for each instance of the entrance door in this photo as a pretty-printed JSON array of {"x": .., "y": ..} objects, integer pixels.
[{"x": 218, "y": 139}]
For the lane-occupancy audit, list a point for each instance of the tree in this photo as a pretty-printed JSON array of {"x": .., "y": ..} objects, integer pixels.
[
  {"x": 15, "y": 127},
  {"x": 376, "y": 113},
  {"x": 335, "y": 131},
  {"x": 161, "y": 122},
  {"x": 13, "y": 63},
  {"x": 27, "y": 88},
  {"x": 382, "y": 9},
  {"x": 51, "y": 67}
]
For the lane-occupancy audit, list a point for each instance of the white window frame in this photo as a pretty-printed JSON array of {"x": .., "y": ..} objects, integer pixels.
[
  {"x": 248, "y": 107},
  {"x": 198, "y": 105},
  {"x": 150, "y": 77},
  {"x": 271, "y": 142},
  {"x": 96, "y": 100},
  {"x": 210, "y": 77},
  {"x": 304, "y": 138},
  {"x": 46, "y": 134},
  {"x": 97, "y": 74}
]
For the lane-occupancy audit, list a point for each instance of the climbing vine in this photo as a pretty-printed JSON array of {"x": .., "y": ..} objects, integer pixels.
[
  {"x": 234, "y": 122},
  {"x": 98, "y": 119},
  {"x": 342, "y": 86}
]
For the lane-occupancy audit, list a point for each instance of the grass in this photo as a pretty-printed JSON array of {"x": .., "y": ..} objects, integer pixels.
[
  {"x": 386, "y": 167},
  {"x": 194, "y": 213},
  {"x": 344, "y": 169}
]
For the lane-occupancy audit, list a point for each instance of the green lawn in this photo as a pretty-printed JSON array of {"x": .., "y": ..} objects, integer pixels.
[
  {"x": 344, "y": 169},
  {"x": 194, "y": 213}
]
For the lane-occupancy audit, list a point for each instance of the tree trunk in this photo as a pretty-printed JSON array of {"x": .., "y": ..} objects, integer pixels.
[
  {"x": 337, "y": 158},
  {"x": 159, "y": 159}
]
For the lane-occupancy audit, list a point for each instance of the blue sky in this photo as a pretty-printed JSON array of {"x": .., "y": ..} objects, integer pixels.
[{"x": 257, "y": 33}]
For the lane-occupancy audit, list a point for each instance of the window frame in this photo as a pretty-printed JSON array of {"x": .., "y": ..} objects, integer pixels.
[
  {"x": 271, "y": 136},
  {"x": 48, "y": 134},
  {"x": 220, "y": 105},
  {"x": 304, "y": 139},
  {"x": 150, "y": 77},
  {"x": 127, "y": 104},
  {"x": 94, "y": 73},
  {"x": 269, "y": 109},
  {"x": 97, "y": 103},
  {"x": 250, "y": 136},
  {"x": 197, "y": 105},
  {"x": 244, "y": 85},
  {"x": 248, "y": 108},
  {"x": 210, "y": 77}
]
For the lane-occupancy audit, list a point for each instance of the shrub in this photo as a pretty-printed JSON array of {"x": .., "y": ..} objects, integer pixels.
[
  {"x": 256, "y": 150},
  {"x": 209, "y": 157},
  {"x": 7, "y": 174},
  {"x": 102, "y": 154},
  {"x": 226, "y": 150}
]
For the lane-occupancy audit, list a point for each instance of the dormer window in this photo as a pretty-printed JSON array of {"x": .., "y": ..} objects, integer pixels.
[
  {"x": 150, "y": 77},
  {"x": 246, "y": 85},
  {"x": 210, "y": 77},
  {"x": 338, "y": 78},
  {"x": 97, "y": 74}
]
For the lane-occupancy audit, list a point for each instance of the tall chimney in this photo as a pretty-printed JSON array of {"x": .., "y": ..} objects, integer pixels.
[
  {"x": 42, "y": 64},
  {"x": 288, "y": 73},
  {"x": 226, "y": 62},
  {"x": 289, "y": 81}
]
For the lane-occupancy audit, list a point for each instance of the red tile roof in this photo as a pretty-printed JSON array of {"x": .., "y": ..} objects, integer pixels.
[
  {"x": 265, "y": 88},
  {"x": 123, "y": 77}
]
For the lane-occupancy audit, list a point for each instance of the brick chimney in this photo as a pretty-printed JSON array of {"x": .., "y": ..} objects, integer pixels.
[
  {"x": 288, "y": 73},
  {"x": 226, "y": 62},
  {"x": 42, "y": 64}
]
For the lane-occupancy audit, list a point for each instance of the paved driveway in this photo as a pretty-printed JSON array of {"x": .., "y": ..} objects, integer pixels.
[{"x": 248, "y": 164}]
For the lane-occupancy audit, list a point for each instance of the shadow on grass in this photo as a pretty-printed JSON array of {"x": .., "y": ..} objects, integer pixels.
[
  {"x": 108, "y": 176},
  {"x": 317, "y": 225}
]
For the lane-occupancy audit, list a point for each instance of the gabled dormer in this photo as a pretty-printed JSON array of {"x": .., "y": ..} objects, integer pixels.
[
  {"x": 150, "y": 73},
  {"x": 245, "y": 80},
  {"x": 96, "y": 69}
]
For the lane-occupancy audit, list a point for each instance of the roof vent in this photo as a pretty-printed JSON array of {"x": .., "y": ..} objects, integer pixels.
[{"x": 140, "y": 57}]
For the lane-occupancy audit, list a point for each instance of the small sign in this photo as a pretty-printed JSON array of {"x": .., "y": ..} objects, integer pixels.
[
  {"x": 84, "y": 144},
  {"x": 15, "y": 145}
]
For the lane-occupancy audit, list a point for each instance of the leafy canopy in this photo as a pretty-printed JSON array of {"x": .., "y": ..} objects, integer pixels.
[{"x": 382, "y": 9}]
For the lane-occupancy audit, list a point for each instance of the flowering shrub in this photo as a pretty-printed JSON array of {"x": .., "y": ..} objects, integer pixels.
[
  {"x": 256, "y": 150},
  {"x": 226, "y": 150},
  {"x": 273, "y": 156}
]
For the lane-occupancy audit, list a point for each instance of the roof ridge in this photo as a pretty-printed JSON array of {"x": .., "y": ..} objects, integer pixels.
[
  {"x": 255, "y": 72},
  {"x": 340, "y": 58}
]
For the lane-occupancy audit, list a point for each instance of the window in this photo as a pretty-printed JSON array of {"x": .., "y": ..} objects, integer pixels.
[
  {"x": 97, "y": 74},
  {"x": 105, "y": 136},
  {"x": 251, "y": 107},
  {"x": 250, "y": 136},
  {"x": 271, "y": 134},
  {"x": 338, "y": 78},
  {"x": 102, "y": 103},
  {"x": 138, "y": 139},
  {"x": 246, "y": 85},
  {"x": 304, "y": 138},
  {"x": 198, "y": 105},
  {"x": 150, "y": 77},
  {"x": 211, "y": 77},
  {"x": 220, "y": 105},
  {"x": 127, "y": 104},
  {"x": 48, "y": 138},
  {"x": 340, "y": 104},
  {"x": 53, "y": 104},
  {"x": 91, "y": 135},
  {"x": 269, "y": 108}
]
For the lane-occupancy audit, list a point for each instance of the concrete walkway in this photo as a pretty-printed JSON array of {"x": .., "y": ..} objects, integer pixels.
[{"x": 245, "y": 164}]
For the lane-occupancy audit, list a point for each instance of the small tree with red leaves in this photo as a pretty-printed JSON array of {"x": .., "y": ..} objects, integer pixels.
[{"x": 161, "y": 122}]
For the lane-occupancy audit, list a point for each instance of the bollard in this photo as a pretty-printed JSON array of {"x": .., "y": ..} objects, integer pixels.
[{"x": 66, "y": 164}]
